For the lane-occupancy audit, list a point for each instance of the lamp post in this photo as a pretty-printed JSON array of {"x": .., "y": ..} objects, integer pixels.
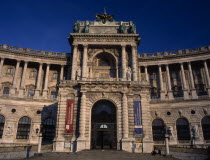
[
  {"x": 40, "y": 139},
  {"x": 167, "y": 137}
]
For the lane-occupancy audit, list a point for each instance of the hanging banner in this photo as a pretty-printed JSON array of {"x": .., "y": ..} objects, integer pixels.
[
  {"x": 137, "y": 117},
  {"x": 69, "y": 116}
]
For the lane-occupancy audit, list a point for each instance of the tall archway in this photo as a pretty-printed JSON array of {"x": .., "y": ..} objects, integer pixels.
[
  {"x": 48, "y": 132},
  {"x": 183, "y": 129},
  {"x": 158, "y": 130},
  {"x": 104, "y": 66},
  {"x": 103, "y": 125},
  {"x": 2, "y": 121},
  {"x": 206, "y": 127}
]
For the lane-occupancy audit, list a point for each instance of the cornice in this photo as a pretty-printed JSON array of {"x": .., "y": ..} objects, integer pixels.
[{"x": 102, "y": 35}]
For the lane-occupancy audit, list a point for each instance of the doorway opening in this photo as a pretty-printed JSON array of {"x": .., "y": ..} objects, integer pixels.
[{"x": 103, "y": 125}]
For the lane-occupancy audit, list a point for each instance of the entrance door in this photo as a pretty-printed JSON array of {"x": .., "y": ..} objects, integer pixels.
[{"x": 103, "y": 134}]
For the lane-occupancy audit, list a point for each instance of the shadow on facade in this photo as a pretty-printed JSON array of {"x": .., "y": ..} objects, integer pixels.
[{"x": 48, "y": 123}]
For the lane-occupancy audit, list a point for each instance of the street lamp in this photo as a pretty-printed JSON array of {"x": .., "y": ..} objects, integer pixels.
[
  {"x": 40, "y": 139},
  {"x": 167, "y": 137}
]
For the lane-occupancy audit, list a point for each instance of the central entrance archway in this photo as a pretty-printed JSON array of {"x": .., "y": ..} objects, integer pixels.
[{"x": 103, "y": 125}]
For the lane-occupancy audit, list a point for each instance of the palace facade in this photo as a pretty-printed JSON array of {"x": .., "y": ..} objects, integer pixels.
[{"x": 104, "y": 95}]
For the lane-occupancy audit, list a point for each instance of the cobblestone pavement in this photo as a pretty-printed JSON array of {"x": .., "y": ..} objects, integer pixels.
[{"x": 99, "y": 155}]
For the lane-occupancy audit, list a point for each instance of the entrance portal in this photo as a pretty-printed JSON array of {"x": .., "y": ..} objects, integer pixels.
[{"x": 103, "y": 125}]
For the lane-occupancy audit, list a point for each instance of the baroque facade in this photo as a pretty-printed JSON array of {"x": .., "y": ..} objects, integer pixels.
[{"x": 119, "y": 99}]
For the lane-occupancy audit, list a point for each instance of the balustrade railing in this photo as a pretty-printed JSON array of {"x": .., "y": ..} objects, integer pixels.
[
  {"x": 32, "y": 51},
  {"x": 172, "y": 53}
]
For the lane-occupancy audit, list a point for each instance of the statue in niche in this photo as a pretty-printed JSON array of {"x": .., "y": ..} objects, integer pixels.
[
  {"x": 86, "y": 29},
  {"x": 76, "y": 27},
  {"x": 79, "y": 73},
  {"x": 132, "y": 28},
  {"x": 129, "y": 72},
  {"x": 194, "y": 131},
  {"x": 122, "y": 28},
  {"x": 9, "y": 130}
]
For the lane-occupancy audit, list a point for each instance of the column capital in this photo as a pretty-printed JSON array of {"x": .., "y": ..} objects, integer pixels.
[
  {"x": 181, "y": 63},
  {"x": 26, "y": 62},
  {"x": 85, "y": 45},
  {"x": 75, "y": 45},
  {"x": 188, "y": 62},
  {"x": 166, "y": 65},
  {"x": 133, "y": 45},
  {"x": 48, "y": 64},
  {"x": 159, "y": 65},
  {"x": 18, "y": 61},
  {"x": 123, "y": 45},
  {"x": 41, "y": 64}
]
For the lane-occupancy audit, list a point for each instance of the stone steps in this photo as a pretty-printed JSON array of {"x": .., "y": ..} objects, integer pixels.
[{"x": 98, "y": 155}]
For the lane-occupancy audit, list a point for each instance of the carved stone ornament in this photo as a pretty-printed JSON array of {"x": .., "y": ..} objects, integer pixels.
[{"x": 9, "y": 130}]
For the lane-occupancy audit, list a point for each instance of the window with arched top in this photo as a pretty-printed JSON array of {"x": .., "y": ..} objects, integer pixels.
[
  {"x": 24, "y": 126},
  {"x": 48, "y": 130},
  {"x": 205, "y": 122},
  {"x": 2, "y": 122},
  {"x": 183, "y": 129},
  {"x": 158, "y": 130}
]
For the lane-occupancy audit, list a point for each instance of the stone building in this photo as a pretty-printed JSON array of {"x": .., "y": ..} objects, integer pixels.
[{"x": 104, "y": 95}]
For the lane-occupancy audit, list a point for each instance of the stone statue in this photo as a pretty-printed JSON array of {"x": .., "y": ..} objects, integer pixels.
[
  {"x": 132, "y": 28},
  {"x": 104, "y": 17},
  {"x": 129, "y": 72},
  {"x": 9, "y": 130},
  {"x": 86, "y": 29},
  {"x": 76, "y": 27},
  {"x": 122, "y": 28},
  {"x": 79, "y": 73}
]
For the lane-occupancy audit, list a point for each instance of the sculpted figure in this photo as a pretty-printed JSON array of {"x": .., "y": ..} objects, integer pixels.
[
  {"x": 86, "y": 29},
  {"x": 132, "y": 28},
  {"x": 122, "y": 28},
  {"x": 78, "y": 73},
  {"x": 76, "y": 27},
  {"x": 129, "y": 72}
]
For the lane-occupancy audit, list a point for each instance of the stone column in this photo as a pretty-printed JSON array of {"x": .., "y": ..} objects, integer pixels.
[
  {"x": 207, "y": 76},
  {"x": 126, "y": 144},
  {"x": 74, "y": 63},
  {"x": 134, "y": 63},
  {"x": 46, "y": 82},
  {"x": 1, "y": 65},
  {"x": 185, "y": 90},
  {"x": 123, "y": 63},
  {"x": 61, "y": 73},
  {"x": 170, "y": 93},
  {"x": 14, "y": 86},
  {"x": 82, "y": 119},
  {"x": 125, "y": 115},
  {"x": 84, "y": 63},
  {"x": 139, "y": 73},
  {"x": 22, "y": 85},
  {"x": 37, "y": 91},
  {"x": 193, "y": 90},
  {"x": 146, "y": 74},
  {"x": 162, "y": 93}
]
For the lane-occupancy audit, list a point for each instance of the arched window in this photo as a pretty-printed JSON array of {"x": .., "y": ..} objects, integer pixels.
[
  {"x": 48, "y": 130},
  {"x": 183, "y": 129},
  {"x": 23, "y": 130},
  {"x": 206, "y": 127},
  {"x": 2, "y": 121},
  {"x": 158, "y": 130}
]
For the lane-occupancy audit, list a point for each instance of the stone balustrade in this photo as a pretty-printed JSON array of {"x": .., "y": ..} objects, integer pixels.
[
  {"x": 32, "y": 51},
  {"x": 173, "y": 53}
]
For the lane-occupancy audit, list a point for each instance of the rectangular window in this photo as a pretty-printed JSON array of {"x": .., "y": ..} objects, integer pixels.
[
  {"x": 55, "y": 75},
  {"x": 10, "y": 70},
  {"x": 53, "y": 95},
  {"x": 30, "y": 93},
  {"x": 6, "y": 90}
]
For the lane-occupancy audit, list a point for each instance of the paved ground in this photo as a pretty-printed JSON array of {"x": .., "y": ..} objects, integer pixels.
[{"x": 99, "y": 155}]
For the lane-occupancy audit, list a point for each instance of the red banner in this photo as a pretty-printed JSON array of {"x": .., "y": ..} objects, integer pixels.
[{"x": 69, "y": 116}]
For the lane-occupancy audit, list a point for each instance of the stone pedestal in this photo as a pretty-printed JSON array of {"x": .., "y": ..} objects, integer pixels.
[
  {"x": 162, "y": 95},
  {"x": 21, "y": 92},
  {"x": 170, "y": 95},
  {"x": 194, "y": 94},
  {"x": 44, "y": 94},
  {"x": 148, "y": 146},
  {"x": 81, "y": 144},
  {"x": 12, "y": 91},
  {"x": 58, "y": 146},
  {"x": 186, "y": 94},
  {"x": 208, "y": 91},
  {"x": 37, "y": 94},
  {"x": 127, "y": 145}
]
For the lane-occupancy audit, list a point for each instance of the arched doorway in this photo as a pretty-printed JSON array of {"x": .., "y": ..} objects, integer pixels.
[
  {"x": 103, "y": 125},
  {"x": 48, "y": 131},
  {"x": 158, "y": 130}
]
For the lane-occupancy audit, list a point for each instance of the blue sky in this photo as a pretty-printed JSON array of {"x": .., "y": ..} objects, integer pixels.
[{"x": 163, "y": 25}]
